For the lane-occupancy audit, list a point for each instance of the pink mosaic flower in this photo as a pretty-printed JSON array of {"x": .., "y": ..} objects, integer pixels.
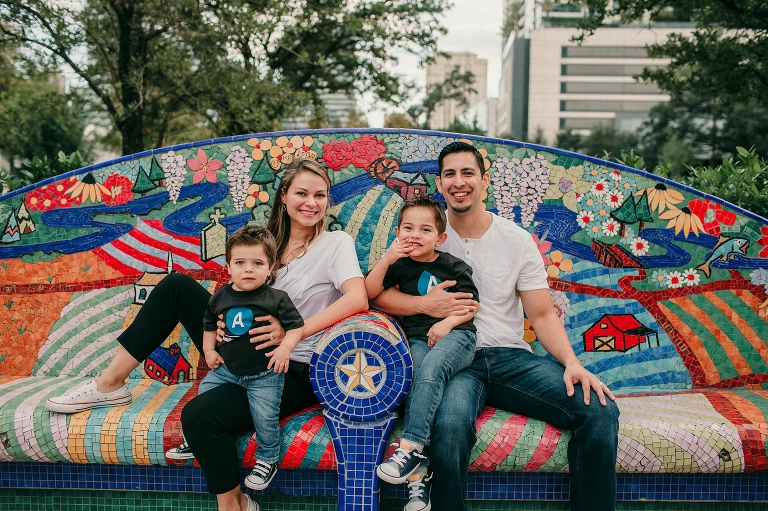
[
  {"x": 203, "y": 168},
  {"x": 544, "y": 247}
]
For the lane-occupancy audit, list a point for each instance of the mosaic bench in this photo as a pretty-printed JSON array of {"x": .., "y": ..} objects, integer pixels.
[{"x": 662, "y": 289}]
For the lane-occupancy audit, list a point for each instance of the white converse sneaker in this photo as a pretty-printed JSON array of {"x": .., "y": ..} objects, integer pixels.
[
  {"x": 87, "y": 396},
  {"x": 261, "y": 475}
]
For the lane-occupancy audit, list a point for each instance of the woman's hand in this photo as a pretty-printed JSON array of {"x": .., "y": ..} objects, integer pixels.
[{"x": 268, "y": 335}]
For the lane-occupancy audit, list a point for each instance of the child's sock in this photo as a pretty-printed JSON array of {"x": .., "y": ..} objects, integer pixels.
[{"x": 411, "y": 446}]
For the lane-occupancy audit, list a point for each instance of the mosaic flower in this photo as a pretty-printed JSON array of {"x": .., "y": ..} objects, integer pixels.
[
  {"x": 627, "y": 235},
  {"x": 592, "y": 202},
  {"x": 529, "y": 335},
  {"x": 674, "y": 280},
  {"x": 259, "y": 146},
  {"x": 614, "y": 199},
  {"x": 119, "y": 188},
  {"x": 691, "y": 277},
  {"x": 173, "y": 168},
  {"x": 420, "y": 148},
  {"x": 711, "y": 215},
  {"x": 659, "y": 277},
  {"x": 559, "y": 263},
  {"x": 611, "y": 227},
  {"x": 544, "y": 247},
  {"x": 520, "y": 182},
  {"x": 759, "y": 277},
  {"x": 203, "y": 168},
  {"x": 281, "y": 152},
  {"x": 584, "y": 218},
  {"x": 599, "y": 187},
  {"x": 255, "y": 196},
  {"x": 593, "y": 172},
  {"x": 238, "y": 166},
  {"x": 88, "y": 189},
  {"x": 305, "y": 149},
  {"x": 336, "y": 154},
  {"x": 366, "y": 150},
  {"x": 615, "y": 175},
  {"x": 682, "y": 220},
  {"x": 639, "y": 246},
  {"x": 627, "y": 185},
  {"x": 594, "y": 231},
  {"x": 660, "y": 197},
  {"x": 561, "y": 302},
  {"x": 763, "y": 242},
  {"x": 566, "y": 184},
  {"x": 52, "y": 196}
]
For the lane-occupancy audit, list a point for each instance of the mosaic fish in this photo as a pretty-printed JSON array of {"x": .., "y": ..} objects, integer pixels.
[{"x": 726, "y": 248}]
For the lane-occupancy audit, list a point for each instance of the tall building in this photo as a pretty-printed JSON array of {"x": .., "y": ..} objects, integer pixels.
[
  {"x": 482, "y": 115},
  {"x": 551, "y": 83},
  {"x": 337, "y": 108},
  {"x": 438, "y": 71}
]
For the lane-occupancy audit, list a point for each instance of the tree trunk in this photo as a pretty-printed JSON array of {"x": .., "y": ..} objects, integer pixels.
[{"x": 132, "y": 55}]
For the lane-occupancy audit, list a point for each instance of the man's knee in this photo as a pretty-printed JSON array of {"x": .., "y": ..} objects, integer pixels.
[{"x": 603, "y": 421}]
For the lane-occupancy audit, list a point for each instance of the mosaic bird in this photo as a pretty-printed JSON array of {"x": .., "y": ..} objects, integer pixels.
[{"x": 726, "y": 248}]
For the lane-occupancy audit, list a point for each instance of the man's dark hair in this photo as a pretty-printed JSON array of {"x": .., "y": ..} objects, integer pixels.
[
  {"x": 429, "y": 203},
  {"x": 254, "y": 235},
  {"x": 460, "y": 147}
]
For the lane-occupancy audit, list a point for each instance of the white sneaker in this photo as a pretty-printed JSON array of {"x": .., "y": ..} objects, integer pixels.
[
  {"x": 87, "y": 396},
  {"x": 252, "y": 506}
]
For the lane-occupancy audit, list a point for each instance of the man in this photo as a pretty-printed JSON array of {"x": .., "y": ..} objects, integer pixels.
[{"x": 510, "y": 275}]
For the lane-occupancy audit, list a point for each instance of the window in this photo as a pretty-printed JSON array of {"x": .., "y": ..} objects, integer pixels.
[
  {"x": 608, "y": 88},
  {"x": 583, "y": 124},
  {"x": 605, "y": 106},
  {"x": 602, "y": 69},
  {"x": 605, "y": 52}
]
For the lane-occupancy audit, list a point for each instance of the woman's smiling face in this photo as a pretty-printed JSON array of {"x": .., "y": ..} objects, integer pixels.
[{"x": 306, "y": 199}]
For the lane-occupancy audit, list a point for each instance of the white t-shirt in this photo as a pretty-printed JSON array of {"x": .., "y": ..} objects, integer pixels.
[
  {"x": 504, "y": 261},
  {"x": 313, "y": 281}
]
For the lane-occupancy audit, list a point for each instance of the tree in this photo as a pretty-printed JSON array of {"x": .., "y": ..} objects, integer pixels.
[
  {"x": 602, "y": 141},
  {"x": 399, "y": 121},
  {"x": 468, "y": 129},
  {"x": 159, "y": 68},
  {"x": 456, "y": 87},
  {"x": 724, "y": 58}
]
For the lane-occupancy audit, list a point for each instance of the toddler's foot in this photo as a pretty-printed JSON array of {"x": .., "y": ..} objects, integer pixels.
[
  {"x": 419, "y": 489},
  {"x": 400, "y": 465},
  {"x": 87, "y": 396},
  {"x": 261, "y": 475},
  {"x": 182, "y": 452}
]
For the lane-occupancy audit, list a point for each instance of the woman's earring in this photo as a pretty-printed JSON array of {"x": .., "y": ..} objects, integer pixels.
[{"x": 283, "y": 206}]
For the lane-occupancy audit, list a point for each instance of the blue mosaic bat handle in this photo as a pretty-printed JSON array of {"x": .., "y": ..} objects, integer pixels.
[{"x": 361, "y": 371}]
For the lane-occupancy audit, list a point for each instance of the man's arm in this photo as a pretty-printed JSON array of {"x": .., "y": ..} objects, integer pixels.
[
  {"x": 551, "y": 334},
  {"x": 436, "y": 303}
]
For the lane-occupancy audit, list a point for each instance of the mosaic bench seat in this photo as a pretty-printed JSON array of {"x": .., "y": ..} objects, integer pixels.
[{"x": 662, "y": 290}]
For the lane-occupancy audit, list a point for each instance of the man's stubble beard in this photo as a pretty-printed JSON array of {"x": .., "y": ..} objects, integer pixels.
[{"x": 459, "y": 210}]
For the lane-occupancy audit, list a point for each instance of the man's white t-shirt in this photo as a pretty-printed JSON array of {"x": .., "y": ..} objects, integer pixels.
[
  {"x": 504, "y": 261},
  {"x": 313, "y": 281}
]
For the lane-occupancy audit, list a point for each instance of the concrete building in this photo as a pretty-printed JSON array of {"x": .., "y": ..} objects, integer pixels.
[
  {"x": 337, "y": 107},
  {"x": 439, "y": 70},
  {"x": 484, "y": 113},
  {"x": 550, "y": 82}
]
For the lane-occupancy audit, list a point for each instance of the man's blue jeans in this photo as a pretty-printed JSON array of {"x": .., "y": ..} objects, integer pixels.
[
  {"x": 523, "y": 383},
  {"x": 265, "y": 391},
  {"x": 432, "y": 368}
]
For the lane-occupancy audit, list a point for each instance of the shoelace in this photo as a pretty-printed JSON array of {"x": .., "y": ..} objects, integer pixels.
[
  {"x": 401, "y": 456},
  {"x": 83, "y": 390},
  {"x": 262, "y": 469},
  {"x": 184, "y": 445},
  {"x": 416, "y": 488}
]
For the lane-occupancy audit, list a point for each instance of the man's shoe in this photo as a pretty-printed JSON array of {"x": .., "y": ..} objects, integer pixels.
[
  {"x": 400, "y": 465},
  {"x": 261, "y": 476},
  {"x": 252, "y": 506},
  {"x": 87, "y": 396},
  {"x": 419, "y": 489},
  {"x": 182, "y": 452}
]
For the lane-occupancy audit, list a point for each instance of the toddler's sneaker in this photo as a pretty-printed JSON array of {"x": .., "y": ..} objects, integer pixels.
[
  {"x": 400, "y": 465},
  {"x": 87, "y": 396},
  {"x": 419, "y": 489},
  {"x": 182, "y": 452},
  {"x": 261, "y": 476}
]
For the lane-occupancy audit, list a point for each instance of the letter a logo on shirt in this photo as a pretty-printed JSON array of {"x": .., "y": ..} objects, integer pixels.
[
  {"x": 426, "y": 282},
  {"x": 239, "y": 320}
]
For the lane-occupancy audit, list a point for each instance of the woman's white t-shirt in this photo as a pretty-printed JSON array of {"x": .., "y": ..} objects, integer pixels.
[{"x": 313, "y": 281}]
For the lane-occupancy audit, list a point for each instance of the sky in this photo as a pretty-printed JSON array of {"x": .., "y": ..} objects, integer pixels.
[{"x": 473, "y": 26}]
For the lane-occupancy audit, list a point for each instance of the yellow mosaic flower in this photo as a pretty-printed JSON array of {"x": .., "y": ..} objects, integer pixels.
[
  {"x": 256, "y": 196},
  {"x": 661, "y": 197},
  {"x": 88, "y": 189},
  {"x": 528, "y": 334},
  {"x": 305, "y": 151},
  {"x": 682, "y": 220},
  {"x": 259, "y": 146},
  {"x": 282, "y": 151},
  {"x": 559, "y": 263},
  {"x": 566, "y": 184}
]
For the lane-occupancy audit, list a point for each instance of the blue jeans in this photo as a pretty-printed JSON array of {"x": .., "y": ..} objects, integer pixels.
[
  {"x": 264, "y": 393},
  {"x": 520, "y": 382},
  {"x": 432, "y": 368}
]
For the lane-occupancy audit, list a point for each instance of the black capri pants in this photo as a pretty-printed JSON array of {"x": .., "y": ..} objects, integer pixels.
[{"x": 213, "y": 419}]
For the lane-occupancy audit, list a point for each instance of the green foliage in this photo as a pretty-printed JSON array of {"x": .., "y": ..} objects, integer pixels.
[
  {"x": 468, "y": 129},
  {"x": 170, "y": 71},
  {"x": 455, "y": 87},
  {"x": 602, "y": 142},
  {"x": 39, "y": 169}
]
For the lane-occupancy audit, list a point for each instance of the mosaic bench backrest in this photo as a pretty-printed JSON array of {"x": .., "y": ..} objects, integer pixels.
[{"x": 660, "y": 287}]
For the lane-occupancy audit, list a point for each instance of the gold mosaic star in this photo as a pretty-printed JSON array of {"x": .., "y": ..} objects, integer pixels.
[{"x": 360, "y": 373}]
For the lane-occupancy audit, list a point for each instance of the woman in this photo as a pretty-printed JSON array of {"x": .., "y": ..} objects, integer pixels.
[{"x": 320, "y": 273}]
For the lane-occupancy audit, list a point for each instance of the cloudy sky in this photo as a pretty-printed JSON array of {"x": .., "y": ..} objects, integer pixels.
[{"x": 473, "y": 26}]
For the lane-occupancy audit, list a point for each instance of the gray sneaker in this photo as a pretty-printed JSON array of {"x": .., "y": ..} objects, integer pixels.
[
  {"x": 182, "y": 452},
  {"x": 400, "y": 465},
  {"x": 87, "y": 396},
  {"x": 419, "y": 489}
]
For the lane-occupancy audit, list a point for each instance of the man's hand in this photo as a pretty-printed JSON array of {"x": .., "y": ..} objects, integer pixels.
[
  {"x": 575, "y": 373},
  {"x": 268, "y": 335},
  {"x": 279, "y": 358},
  {"x": 213, "y": 359},
  {"x": 397, "y": 250},
  {"x": 437, "y": 332},
  {"x": 438, "y": 303}
]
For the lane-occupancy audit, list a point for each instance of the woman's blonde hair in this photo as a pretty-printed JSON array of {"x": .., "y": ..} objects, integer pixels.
[{"x": 279, "y": 223}]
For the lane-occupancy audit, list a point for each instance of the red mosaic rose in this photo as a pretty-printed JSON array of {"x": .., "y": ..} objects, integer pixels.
[
  {"x": 119, "y": 188},
  {"x": 366, "y": 150},
  {"x": 711, "y": 215},
  {"x": 336, "y": 154},
  {"x": 51, "y": 196},
  {"x": 763, "y": 242}
]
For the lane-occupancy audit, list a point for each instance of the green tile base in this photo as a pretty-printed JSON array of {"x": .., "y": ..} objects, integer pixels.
[{"x": 83, "y": 500}]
